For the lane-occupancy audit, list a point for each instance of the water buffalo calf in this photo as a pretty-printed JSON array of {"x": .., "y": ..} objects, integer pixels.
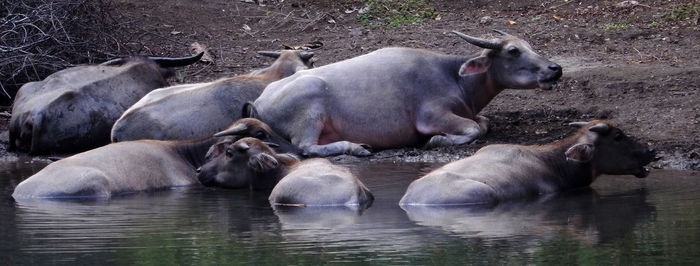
[
  {"x": 197, "y": 110},
  {"x": 502, "y": 172},
  {"x": 74, "y": 109},
  {"x": 132, "y": 166},
  {"x": 398, "y": 97}
]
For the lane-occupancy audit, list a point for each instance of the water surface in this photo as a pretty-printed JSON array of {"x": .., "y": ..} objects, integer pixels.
[{"x": 620, "y": 220}]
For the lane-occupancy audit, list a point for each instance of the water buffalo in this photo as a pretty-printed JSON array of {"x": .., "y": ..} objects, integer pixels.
[
  {"x": 74, "y": 109},
  {"x": 198, "y": 110},
  {"x": 251, "y": 163},
  {"x": 397, "y": 97},
  {"x": 132, "y": 166},
  {"x": 502, "y": 172},
  {"x": 245, "y": 163},
  {"x": 318, "y": 182}
]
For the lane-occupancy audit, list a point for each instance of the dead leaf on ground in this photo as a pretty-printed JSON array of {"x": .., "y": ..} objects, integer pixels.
[{"x": 197, "y": 48}]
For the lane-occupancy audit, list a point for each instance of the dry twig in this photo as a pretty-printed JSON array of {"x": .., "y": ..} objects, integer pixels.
[{"x": 39, "y": 37}]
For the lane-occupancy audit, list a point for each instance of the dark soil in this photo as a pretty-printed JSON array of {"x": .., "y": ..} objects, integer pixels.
[{"x": 637, "y": 66}]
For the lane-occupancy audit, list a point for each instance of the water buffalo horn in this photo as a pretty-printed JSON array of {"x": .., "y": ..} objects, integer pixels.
[
  {"x": 601, "y": 128},
  {"x": 117, "y": 61},
  {"x": 501, "y": 32},
  {"x": 177, "y": 62},
  {"x": 483, "y": 43},
  {"x": 273, "y": 54},
  {"x": 235, "y": 130},
  {"x": 306, "y": 55},
  {"x": 272, "y": 145},
  {"x": 578, "y": 124}
]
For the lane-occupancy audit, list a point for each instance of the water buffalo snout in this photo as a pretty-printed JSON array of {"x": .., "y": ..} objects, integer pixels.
[
  {"x": 206, "y": 181},
  {"x": 555, "y": 67}
]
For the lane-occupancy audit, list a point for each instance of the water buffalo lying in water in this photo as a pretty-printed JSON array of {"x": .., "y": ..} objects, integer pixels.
[
  {"x": 251, "y": 163},
  {"x": 318, "y": 182},
  {"x": 73, "y": 110},
  {"x": 198, "y": 110},
  {"x": 502, "y": 172},
  {"x": 131, "y": 166},
  {"x": 398, "y": 97}
]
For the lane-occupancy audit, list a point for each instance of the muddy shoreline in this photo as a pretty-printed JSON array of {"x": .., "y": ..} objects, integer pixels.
[{"x": 637, "y": 66}]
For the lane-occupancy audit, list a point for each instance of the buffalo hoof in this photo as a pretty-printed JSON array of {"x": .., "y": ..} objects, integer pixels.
[
  {"x": 438, "y": 141},
  {"x": 362, "y": 150}
]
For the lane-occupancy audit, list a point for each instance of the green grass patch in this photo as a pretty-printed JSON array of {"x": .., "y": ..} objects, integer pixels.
[
  {"x": 689, "y": 11},
  {"x": 394, "y": 13}
]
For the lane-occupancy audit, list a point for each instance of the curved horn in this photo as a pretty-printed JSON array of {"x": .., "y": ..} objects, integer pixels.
[
  {"x": 116, "y": 61},
  {"x": 601, "y": 128},
  {"x": 273, "y": 54},
  {"x": 578, "y": 124},
  {"x": 501, "y": 32},
  {"x": 234, "y": 130},
  {"x": 271, "y": 144},
  {"x": 483, "y": 43},
  {"x": 177, "y": 62}
]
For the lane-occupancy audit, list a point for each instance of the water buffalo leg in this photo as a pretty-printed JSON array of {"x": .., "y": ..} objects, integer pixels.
[
  {"x": 312, "y": 128},
  {"x": 337, "y": 148},
  {"x": 451, "y": 129}
]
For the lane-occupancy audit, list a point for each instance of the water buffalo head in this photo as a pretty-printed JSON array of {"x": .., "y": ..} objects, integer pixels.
[
  {"x": 511, "y": 63},
  {"x": 287, "y": 62},
  {"x": 609, "y": 150},
  {"x": 165, "y": 63},
  {"x": 246, "y": 162},
  {"x": 251, "y": 127}
]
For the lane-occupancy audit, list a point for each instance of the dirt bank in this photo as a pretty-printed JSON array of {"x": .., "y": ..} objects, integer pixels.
[{"x": 634, "y": 64}]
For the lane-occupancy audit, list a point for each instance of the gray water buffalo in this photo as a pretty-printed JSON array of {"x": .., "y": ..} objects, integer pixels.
[
  {"x": 74, "y": 109},
  {"x": 249, "y": 162},
  {"x": 318, "y": 182},
  {"x": 133, "y": 166},
  {"x": 502, "y": 172},
  {"x": 398, "y": 97},
  {"x": 198, "y": 110}
]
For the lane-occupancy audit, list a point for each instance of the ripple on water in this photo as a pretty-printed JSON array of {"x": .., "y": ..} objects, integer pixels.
[{"x": 653, "y": 219}]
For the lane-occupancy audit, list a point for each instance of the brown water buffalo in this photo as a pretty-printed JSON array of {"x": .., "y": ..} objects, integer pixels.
[
  {"x": 503, "y": 172},
  {"x": 198, "y": 110},
  {"x": 133, "y": 166},
  {"x": 245, "y": 163},
  {"x": 74, "y": 109},
  {"x": 249, "y": 162},
  {"x": 398, "y": 97}
]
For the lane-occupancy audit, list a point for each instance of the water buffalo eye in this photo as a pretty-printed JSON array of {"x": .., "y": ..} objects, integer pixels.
[
  {"x": 619, "y": 137},
  {"x": 229, "y": 153},
  {"x": 260, "y": 135},
  {"x": 513, "y": 51}
]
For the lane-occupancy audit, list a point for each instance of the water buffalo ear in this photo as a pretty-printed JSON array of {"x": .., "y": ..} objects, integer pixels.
[
  {"x": 262, "y": 162},
  {"x": 600, "y": 128},
  {"x": 235, "y": 129},
  {"x": 475, "y": 66},
  {"x": 289, "y": 156},
  {"x": 249, "y": 110},
  {"x": 580, "y": 153},
  {"x": 216, "y": 150}
]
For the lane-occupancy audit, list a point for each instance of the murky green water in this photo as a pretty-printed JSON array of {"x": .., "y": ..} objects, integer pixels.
[{"x": 621, "y": 220}]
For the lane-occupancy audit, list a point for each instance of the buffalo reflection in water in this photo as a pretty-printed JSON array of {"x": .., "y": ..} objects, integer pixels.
[{"x": 584, "y": 214}]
